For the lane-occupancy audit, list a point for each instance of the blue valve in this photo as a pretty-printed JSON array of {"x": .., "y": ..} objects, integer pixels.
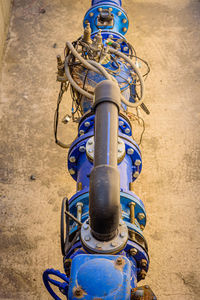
[{"x": 63, "y": 286}]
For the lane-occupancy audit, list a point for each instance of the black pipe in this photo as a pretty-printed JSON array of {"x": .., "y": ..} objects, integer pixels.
[{"x": 104, "y": 195}]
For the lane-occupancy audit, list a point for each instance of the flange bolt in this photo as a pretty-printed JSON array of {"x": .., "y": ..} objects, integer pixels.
[
  {"x": 78, "y": 291},
  {"x": 143, "y": 274},
  {"x": 141, "y": 216},
  {"x": 133, "y": 251},
  {"x": 72, "y": 159},
  {"x": 143, "y": 263},
  {"x": 119, "y": 261},
  {"x": 130, "y": 151}
]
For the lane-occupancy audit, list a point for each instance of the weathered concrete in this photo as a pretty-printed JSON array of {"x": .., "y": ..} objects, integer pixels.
[
  {"x": 5, "y": 6},
  {"x": 165, "y": 33}
]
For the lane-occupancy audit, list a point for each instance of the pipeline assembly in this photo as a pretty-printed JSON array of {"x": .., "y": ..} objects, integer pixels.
[{"x": 104, "y": 251}]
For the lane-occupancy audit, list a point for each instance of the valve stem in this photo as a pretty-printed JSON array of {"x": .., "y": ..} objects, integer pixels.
[{"x": 87, "y": 34}]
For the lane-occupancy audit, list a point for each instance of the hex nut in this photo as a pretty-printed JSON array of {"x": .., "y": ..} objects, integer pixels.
[
  {"x": 119, "y": 13},
  {"x": 113, "y": 244},
  {"x": 87, "y": 238},
  {"x": 136, "y": 174},
  {"x": 138, "y": 162},
  {"x": 127, "y": 131},
  {"x": 143, "y": 274},
  {"x": 141, "y": 216},
  {"x": 85, "y": 226},
  {"x": 121, "y": 123},
  {"x": 130, "y": 151},
  {"x": 91, "y": 14},
  {"x": 143, "y": 263},
  {"x": 72, "y": 159},
  {"x": 142, "y": 227},
  {"x": 82, "y": 148},
  {"x": 71, "y": 172},
  {"x": 81, "y": 132},
  {"x": 87, "y": 124},
  {"x": 100, "y": 9},
  {"x": 78, "y": 291},
  {"x": 124, "y": 29},
  {"x": 133, "y": 251},
  {"x": 119, "y": 261},
  {"x": 122, "y": 234},
  {"x": 124, "y": 21}
]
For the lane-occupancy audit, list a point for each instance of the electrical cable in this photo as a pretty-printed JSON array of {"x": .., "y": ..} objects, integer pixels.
[{"x": 63, "y": 88}]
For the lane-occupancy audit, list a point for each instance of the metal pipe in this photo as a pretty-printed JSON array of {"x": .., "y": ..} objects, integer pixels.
[{"x": 104, "y": 196}]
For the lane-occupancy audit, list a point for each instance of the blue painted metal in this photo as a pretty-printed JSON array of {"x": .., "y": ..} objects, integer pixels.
[
  {"x": 112, "y": 281},
  {"x": 121, "y": 21},
  {"x": 97, "y": 275}
]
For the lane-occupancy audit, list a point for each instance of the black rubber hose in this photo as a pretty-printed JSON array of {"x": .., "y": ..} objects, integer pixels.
[{"x": 104, "y": 195}]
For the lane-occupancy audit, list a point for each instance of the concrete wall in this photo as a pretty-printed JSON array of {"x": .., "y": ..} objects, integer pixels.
[{"x": 5, "y": 8}]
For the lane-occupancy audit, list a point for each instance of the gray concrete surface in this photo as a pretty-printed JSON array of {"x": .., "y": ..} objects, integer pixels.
[
  {"x": 5, "y": 8},
  {"x": 166, "y": 33}
]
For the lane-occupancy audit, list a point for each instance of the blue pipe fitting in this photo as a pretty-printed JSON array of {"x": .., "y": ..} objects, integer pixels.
[
  {"x": 93, "y": 273},
  {"x": 119, "y": 24}
]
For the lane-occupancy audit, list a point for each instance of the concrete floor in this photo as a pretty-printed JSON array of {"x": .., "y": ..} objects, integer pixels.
[{"x": 166, "y": 34}]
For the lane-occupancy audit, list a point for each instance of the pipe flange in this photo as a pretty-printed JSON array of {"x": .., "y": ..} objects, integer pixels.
[
  {"x": 120, "y": 153},
  {"x": 96, "y": 246}
]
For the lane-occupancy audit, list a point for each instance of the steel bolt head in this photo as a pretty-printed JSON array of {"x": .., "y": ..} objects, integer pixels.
[
  {"x": 125, "y": 48},
  {"x": 72, "y": 159},
  {"x": 136, "y": 174},
  {"x": 130, "y": 151},
  {"x": 124, "y": 29},
  {"x": 143, "y": 274},
  {"x": 133, "y": 251},
  {"x": 141, "y": 216},
  {"x": 121, "y": 123},
  {"x": 85, "y": 226},
  {"x": 119, "y": 13},
  {"x": 142, "y": 227},
  {"x": 87, "y": 238},
  {"x": 122, "y": 234},
  {"x": 100, "y": 9},
  {"x": 138, "y": 162},
  {"x": 78, "y": 291},
  {"x": 81, "y": 132},
  {"x": 90, "y": 141},
  {"x": 143, "y": 263},
  {"x": 87, "y": 124},
  {"x": 127, "y": 131},
  {"x": 71, "y": 172},
  {"x": 119, "y": 261},
  {"x": 124, "y": 21},
  {"x": 113, "y": 244},
  {"x": 82, "y": 148},
  {"x": 98, "y": 245},
  {"x": 110, "y": 9},
  {"x": 91, "y": 14},
  {"x": 79, "y": 204}
]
